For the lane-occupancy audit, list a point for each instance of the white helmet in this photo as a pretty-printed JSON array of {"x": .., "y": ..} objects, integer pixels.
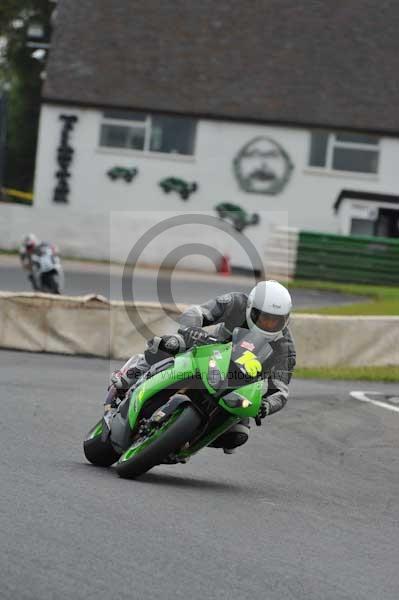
[{"x": 268, "y": 309}]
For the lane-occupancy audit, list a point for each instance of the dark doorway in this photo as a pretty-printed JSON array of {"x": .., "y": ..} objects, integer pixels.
[{"x": 387, "y": 224}]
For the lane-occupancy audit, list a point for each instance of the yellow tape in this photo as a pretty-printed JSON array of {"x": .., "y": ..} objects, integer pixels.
[{"x": 18, "y": 194}]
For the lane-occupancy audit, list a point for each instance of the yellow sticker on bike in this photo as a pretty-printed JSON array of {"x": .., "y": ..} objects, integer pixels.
[
  {"x": 141, "y": 393},
  {"x": 250, "y": 363}
]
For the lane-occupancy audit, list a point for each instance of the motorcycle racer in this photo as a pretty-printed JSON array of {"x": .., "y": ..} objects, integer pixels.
[
  {"x": 30, "y": 248},
  {"x": 265, "y": 310}
]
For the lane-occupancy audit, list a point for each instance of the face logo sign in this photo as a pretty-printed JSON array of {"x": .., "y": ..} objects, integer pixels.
[{"x": 263, "y": 167}]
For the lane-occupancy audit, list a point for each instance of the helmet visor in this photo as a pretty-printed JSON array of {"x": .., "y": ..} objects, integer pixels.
[{"x": 268, "y": 322}]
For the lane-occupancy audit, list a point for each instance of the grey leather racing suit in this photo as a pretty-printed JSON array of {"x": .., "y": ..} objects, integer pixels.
[
  {"x": 229, "y": 311},
  {"x": 26, "y": 257}
]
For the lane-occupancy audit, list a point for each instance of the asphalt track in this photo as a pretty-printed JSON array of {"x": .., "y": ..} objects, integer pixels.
[
  {"x": 189, "y": 288},
  {"x": 307, "y": 510}
]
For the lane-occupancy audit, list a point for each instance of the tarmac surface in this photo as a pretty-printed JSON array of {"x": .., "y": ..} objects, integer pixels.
[
  {"x": 190, "y": 288},
  {"x": 306, "y": 510}
]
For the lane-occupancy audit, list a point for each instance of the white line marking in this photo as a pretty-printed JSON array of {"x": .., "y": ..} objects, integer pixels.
[{"x": 362, "y": 396}]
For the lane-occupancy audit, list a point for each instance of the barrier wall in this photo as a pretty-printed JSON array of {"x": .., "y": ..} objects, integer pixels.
[
  {"x": 91, "y": 325},
  {"x": 330, "y": 341},
  {"x": 86, "y": 325}
]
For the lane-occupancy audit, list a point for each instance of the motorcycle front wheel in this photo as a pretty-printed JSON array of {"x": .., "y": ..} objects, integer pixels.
[
  {"x": 50, "y": 282},
  {"x": 150, "y": 450}
]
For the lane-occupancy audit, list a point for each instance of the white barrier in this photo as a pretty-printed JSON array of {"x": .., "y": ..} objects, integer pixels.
[
  {"x": 330, "y": 341},
  {"x": 87, "y": 325},
  {"x": 281, "y": 252},
  {"x": 91, "y": 325}
]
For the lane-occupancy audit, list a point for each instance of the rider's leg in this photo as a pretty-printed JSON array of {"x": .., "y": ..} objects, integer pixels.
[
  {"x": 236, "y": 436},
  {"x": 33, "y": 282},
  {"x": 123, "y": 379}
]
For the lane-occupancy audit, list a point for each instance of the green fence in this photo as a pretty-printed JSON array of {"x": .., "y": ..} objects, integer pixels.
[{"x": 347, "y": 258}]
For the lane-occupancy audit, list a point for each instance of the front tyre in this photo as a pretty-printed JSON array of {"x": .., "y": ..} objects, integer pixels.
[
  {"x": 99, "y": 453},
  {"x": 50, "y": 282},
  {"x": 149, "y": 451}
]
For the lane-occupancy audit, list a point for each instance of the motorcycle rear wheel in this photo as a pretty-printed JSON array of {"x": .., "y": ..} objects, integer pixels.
[
  {"x": 147, "y": 452},
  {"x": 99, "y": 453}
]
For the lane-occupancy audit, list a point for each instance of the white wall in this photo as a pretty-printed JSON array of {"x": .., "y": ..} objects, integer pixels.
[
  {"x": 308, "y": 197},
  {"x": 83, "y": 225}
]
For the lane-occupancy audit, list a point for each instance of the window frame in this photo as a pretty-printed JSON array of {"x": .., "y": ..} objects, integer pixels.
[
  {"x": 333, "y": 143},
  {"x": 147, "y": 125}
]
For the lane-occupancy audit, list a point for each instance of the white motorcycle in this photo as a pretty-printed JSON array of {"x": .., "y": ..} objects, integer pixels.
[{"x": 47, "y": 274}]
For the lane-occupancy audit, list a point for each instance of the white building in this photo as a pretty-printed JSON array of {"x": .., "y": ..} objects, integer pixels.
[{"x": 286, "y": 127}]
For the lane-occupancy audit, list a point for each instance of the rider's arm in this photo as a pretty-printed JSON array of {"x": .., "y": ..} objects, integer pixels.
[
  {"x": 209, "y": 313},
  {"x": 25, "y": 260},
  {"x": 275, "y": 390}
]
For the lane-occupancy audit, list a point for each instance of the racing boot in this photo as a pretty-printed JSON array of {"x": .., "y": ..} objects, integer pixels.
[
  {"x": 121, "y": 382},
  {"x": 124, "y": 379},
  {"x": 234, "y": 437},
  {"x": 131, "y": 371},
  {"x": 111, "y": 404}
]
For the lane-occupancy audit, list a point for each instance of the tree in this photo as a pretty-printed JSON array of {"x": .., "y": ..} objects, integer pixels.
[{"x": 21, "y": 73}]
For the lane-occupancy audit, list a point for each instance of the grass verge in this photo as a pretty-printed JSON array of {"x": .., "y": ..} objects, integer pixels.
[
  {"x": 9, "y": 252},
  {"x": 383, "y": 300},
  {"x": 387, "y": 374}
]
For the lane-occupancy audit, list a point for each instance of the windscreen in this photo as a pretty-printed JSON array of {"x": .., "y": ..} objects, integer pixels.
[{"x": 252, "y": 341}]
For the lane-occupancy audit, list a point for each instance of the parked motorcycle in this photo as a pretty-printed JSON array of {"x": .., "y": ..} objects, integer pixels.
[
  {"x": 47, "y": 274},
  {"x": 181, "y": 405}
]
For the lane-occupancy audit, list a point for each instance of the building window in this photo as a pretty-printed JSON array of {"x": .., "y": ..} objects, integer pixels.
[
  {"x": 352, "y": 152},
  {"x": 148, "y": 133}
]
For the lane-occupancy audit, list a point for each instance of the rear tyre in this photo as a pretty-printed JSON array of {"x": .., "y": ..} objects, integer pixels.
[
  {"x": 146, "y": 453},
  {"x": 99, "y": 453}
]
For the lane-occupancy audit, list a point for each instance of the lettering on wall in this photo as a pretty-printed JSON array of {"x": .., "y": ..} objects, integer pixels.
[
  {"x": 262, "y": 166},
  {"x": 64, "y": 159}
]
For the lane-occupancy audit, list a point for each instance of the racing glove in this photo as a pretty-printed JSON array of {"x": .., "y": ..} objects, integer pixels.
[
  {"x": 172, "y": 344},
  {"x": 195, "y": 336},
  {"x": 159, "y": 348},
  {"x": 264, "y": 409}
]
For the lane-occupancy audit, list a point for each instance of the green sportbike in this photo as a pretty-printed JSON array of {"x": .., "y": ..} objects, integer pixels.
[{"x": 182, "y": 404}]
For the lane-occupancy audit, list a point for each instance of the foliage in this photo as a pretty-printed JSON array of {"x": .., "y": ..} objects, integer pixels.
[{"x": 21, "y": 73}]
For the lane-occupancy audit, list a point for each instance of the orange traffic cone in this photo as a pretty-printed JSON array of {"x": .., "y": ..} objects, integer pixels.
[{"x": 225, "y": 268}]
